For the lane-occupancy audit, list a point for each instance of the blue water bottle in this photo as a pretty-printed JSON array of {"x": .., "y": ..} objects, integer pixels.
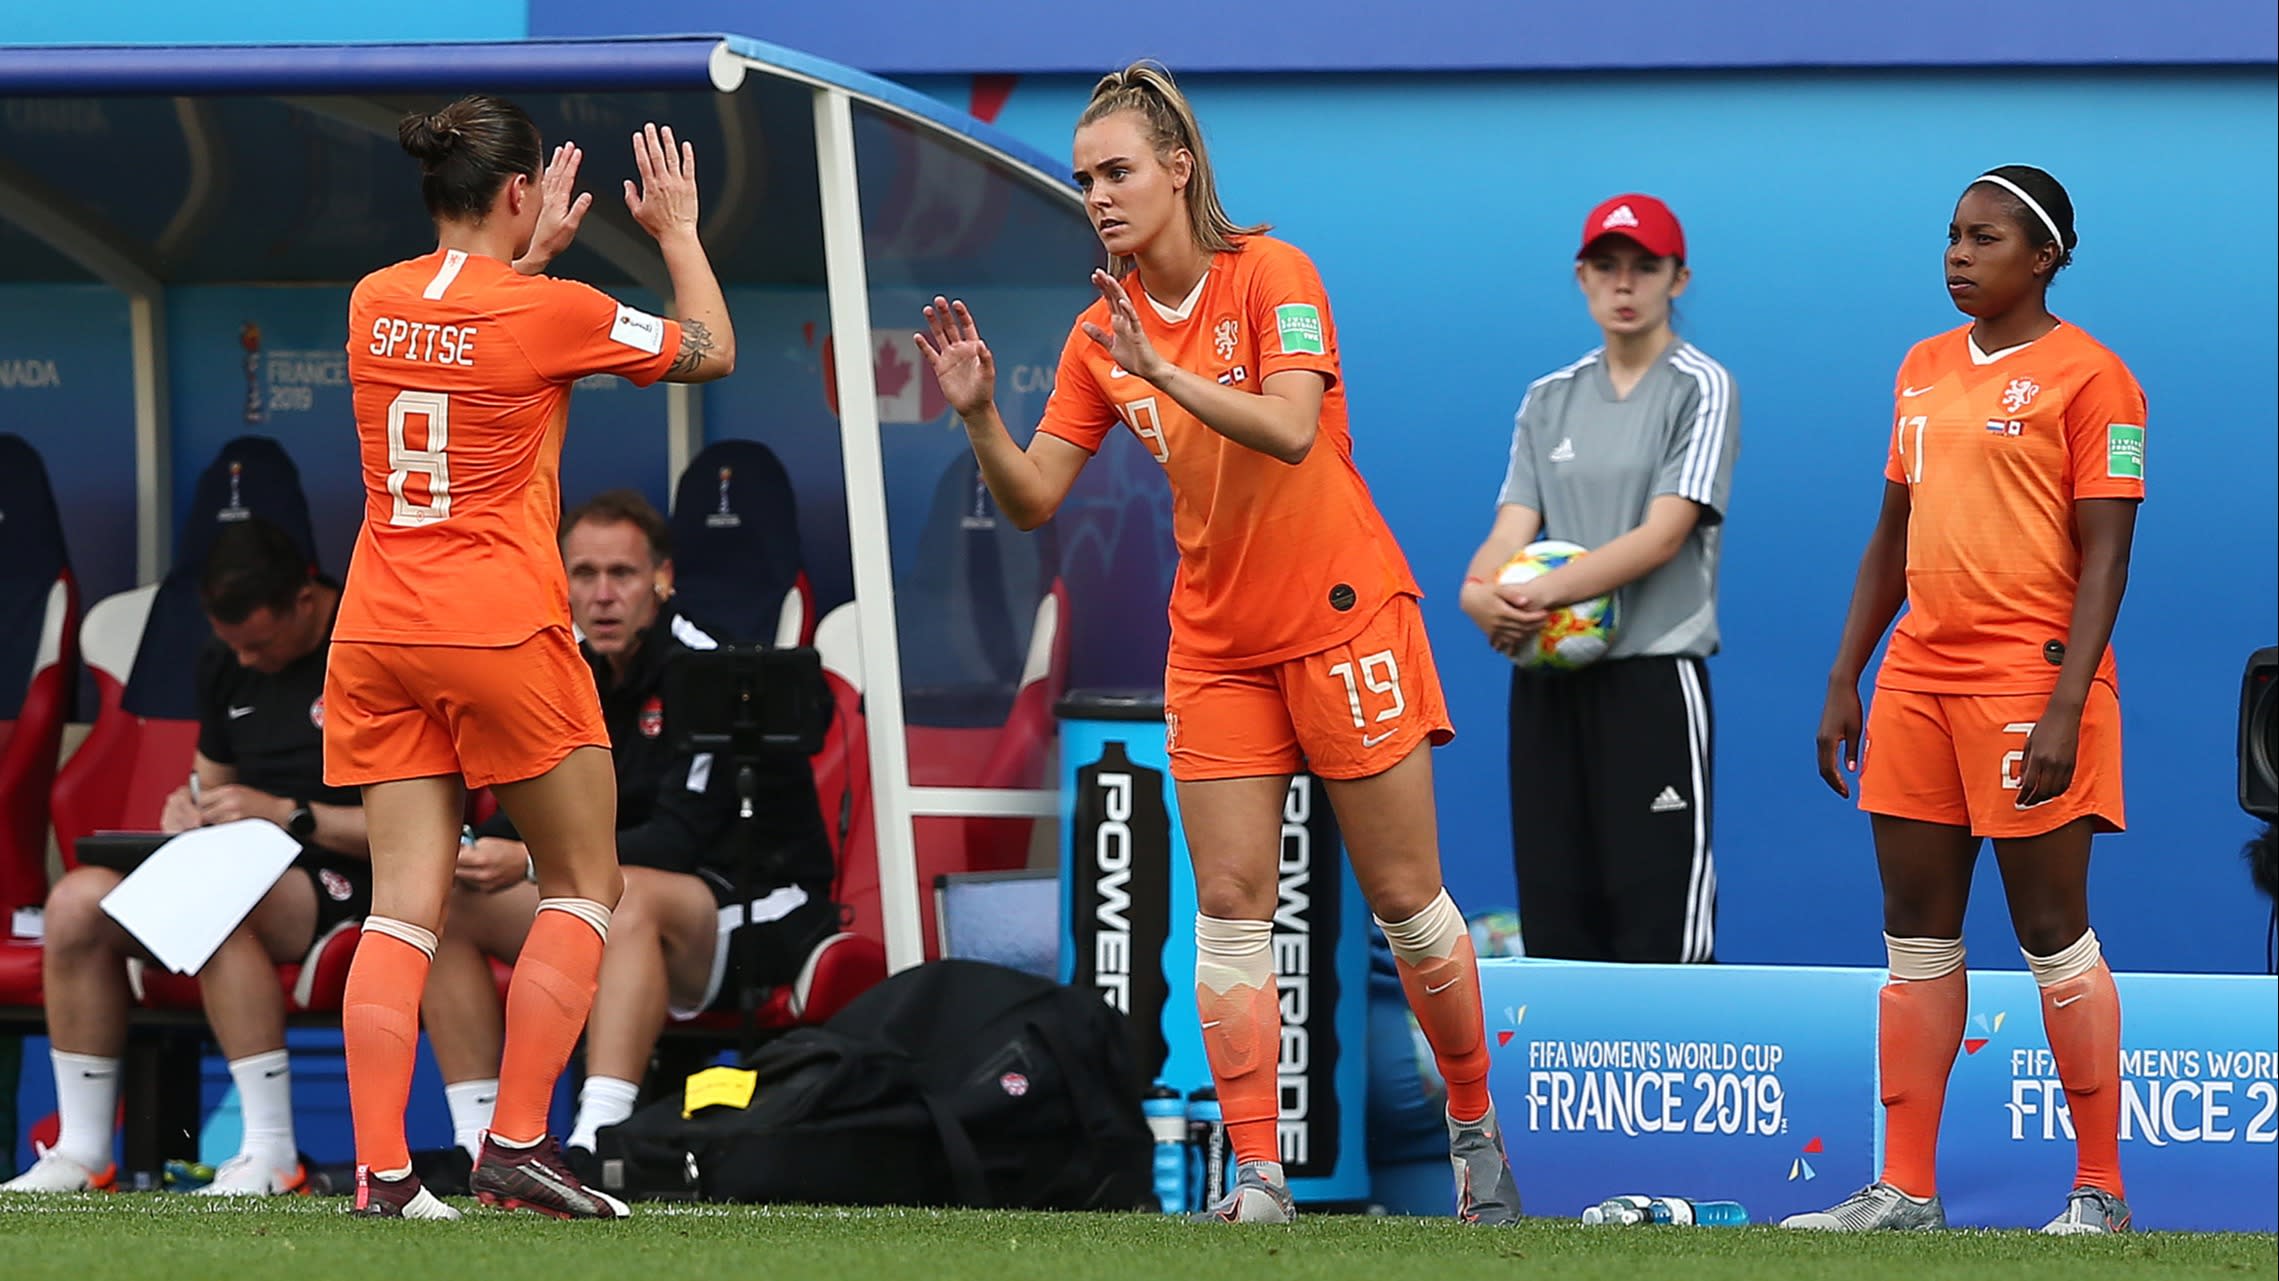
[
  {"x": 1699, "y": 1214},
  {"x": 1207, "y": 1173},
  {"x": 1167, "y": 1123}
]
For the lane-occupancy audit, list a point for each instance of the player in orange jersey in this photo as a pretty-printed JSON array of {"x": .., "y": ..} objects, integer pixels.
[
  {"x": 2010, "y": 497},
  {"x": 1296, "y": 637},
  {"x": 452, "y": 664}
]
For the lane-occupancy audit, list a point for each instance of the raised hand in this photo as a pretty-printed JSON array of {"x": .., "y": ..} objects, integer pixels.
[
  {"x": 1124, "y": 340},
  {"x": 961, "y": 362},
  {"x": 665, "y": 202},
  {"x": 561, "y": 207}
]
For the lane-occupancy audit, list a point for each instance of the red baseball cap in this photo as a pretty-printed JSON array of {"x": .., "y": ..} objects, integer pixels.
[{"x": 1638, "y": 218}]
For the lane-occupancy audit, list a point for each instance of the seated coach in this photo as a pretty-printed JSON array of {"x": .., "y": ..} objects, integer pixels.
[
  {"x": 260, "y": 755},
  {"x": 694, "y": 874}
]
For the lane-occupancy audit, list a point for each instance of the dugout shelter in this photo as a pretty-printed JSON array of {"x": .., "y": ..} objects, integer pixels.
[{"x": 187, "y": 185}]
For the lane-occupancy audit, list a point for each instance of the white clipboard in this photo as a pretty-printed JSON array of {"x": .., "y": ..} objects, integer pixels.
[{"x": 195, "y": 889}]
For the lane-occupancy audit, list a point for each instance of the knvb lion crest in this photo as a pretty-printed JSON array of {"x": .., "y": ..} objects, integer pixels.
[
  {"x": 1223, "y": 338},
  {"x": 2019, "y": 394}
]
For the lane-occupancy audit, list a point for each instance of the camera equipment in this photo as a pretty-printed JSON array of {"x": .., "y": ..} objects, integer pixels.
[
  {"x": 2259, "y": 735},
  {"x": 756, "y": 705},
  {"x": 749, "y": 701}
]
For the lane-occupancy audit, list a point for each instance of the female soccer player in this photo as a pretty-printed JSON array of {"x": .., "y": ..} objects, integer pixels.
[
  {"x": 1296, "y": 639},
  {"x": 1629, "y": 452},
  {"x": 2010, "y": 497},
  {"x": 452, "y": 664}
]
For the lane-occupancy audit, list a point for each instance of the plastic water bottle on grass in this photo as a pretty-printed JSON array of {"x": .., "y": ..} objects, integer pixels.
[{"x": 1636, "y": 1211}]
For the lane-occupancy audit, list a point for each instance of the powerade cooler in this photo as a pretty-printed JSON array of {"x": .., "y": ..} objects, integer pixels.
[{"x": 1127, "y": 932}]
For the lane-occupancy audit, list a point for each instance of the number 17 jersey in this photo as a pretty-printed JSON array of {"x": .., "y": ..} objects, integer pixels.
[{"x": 461, "y": 369}]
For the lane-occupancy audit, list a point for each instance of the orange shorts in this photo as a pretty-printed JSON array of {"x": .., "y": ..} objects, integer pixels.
[
  {"x": 488, "y": 715},
  {"x": 1954, "y": 759},
  {"x": 1350, "y": 711}
]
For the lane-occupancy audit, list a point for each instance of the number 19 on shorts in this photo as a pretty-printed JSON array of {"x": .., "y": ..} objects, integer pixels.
[
  {"x": 1381, "y": 676},
  {"x": 433, "y": 408}
]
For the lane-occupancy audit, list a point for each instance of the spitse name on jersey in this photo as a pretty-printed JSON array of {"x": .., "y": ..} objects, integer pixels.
[
  {"x": 461, "y": 369},
  {"x": 1275, "y": 561}
]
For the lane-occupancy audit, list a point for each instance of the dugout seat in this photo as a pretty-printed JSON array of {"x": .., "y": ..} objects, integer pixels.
[
  {"x": 989, "y": 605},
  {"x": 39, "y": 669},
  {"x": 737, "y": 566},
  {"x": 142, "y": 646}
]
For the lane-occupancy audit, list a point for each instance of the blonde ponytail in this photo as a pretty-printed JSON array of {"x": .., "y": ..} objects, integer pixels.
[{"x": 1146, "y": 87}]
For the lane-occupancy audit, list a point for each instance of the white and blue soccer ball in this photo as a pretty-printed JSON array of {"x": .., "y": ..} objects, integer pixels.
[{"x": 1575, "y": 635}]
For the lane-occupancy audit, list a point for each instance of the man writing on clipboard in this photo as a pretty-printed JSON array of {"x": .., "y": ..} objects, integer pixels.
[{"x": 260, "y": 756}]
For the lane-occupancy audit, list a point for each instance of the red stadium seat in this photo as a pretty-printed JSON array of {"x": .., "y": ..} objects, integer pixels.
[
  {"x": 142, "y": 647},
  {"x": 39, "y": 670}
]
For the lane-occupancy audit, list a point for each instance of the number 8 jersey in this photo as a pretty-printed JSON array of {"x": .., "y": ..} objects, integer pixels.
[
  {"x": 461, "y": 370},
  {"x": 1994, "y": 451}
]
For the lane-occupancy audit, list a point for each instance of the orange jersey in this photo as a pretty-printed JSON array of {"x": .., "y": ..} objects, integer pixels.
[
  {"x": 1275, "y": 561},
  {"x": 1994, "y": 453},
  {"x": 461, "y": 369}
]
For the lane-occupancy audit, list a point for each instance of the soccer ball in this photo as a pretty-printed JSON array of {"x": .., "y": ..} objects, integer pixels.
[{"x": 1575, "y": 636}]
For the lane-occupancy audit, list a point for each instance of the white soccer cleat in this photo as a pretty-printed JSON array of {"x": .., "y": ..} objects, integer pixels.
[
  {"x": 247, "y": 1175},
  {"x": 2089, "y": 1212},
  {"x": 1878, "y": 1207},
  {"x": 55, "y": 1172}
]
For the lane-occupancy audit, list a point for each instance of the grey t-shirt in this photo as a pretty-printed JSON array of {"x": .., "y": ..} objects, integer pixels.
[{"x": 1591, "y": 463}]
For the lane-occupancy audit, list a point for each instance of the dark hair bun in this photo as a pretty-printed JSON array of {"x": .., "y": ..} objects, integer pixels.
[
  {"x": 429, "y": 138},
  {"x": 2047, "y": 192}
]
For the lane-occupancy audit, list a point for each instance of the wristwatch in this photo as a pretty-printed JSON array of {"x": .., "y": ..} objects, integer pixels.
[{"x": 303, "y": 821}]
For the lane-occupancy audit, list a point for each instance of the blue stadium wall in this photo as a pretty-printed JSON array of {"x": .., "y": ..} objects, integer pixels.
[{"x": 1815, "y": 188}]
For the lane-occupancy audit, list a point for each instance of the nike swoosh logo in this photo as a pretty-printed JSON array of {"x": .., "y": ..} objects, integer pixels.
[
  {"x": 1212, "y": 1024},
  {"x": 2064, "y": 1001},
  {"x": 236, "y": 713},
  {"x": 1118, "y": 371},
  {"x": 1915, "y": 391},
  {"x": 1367, "y": 741},
  {"x": 1430, "y": 990}
]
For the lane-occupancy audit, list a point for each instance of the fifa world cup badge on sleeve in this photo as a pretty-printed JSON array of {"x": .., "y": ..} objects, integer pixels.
[{"x": 2124, "y": 451}]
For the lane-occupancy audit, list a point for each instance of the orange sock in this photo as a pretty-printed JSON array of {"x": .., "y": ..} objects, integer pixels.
[
  {"x": 1433, "y": 953},
  {"x": 2082, "y": 1016},
  {"x": 1242, "y": 1037},
  {"x": 379, "y": 1027},
  {"x": 1241, "y": 1010},
  {"x": 546, "y": 1007},
  {"x": 1919, "y": 1030}
]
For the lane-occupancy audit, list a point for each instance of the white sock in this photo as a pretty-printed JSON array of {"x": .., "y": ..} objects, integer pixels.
[
  {"x": 86, "y": 1107},
  {"x": 471, "y": 1103},
  {"x": 602, "y": 1100},
  {"x": 265, "y": 1098}
]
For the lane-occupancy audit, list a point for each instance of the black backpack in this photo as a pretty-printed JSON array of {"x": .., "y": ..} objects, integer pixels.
[{"x": 954, "y": 1083}]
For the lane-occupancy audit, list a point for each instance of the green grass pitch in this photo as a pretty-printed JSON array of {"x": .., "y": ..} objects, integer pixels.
[{"x": 134, "y": 1236}]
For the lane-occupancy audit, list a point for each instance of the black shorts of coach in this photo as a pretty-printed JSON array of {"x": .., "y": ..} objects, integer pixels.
[{"x": 1611, "y": 821}]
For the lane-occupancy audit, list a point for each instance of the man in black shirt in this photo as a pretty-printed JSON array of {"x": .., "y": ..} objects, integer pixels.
[
  {"x": 692, "y": 871},
  {"x": 259, "y": 756}
]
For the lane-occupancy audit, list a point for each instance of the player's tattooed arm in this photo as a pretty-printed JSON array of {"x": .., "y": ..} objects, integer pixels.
[{"x": 696, "y": 346}]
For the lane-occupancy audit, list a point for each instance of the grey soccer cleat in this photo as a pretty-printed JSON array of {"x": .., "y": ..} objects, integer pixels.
[
  {"x": 1485, "y": 1190},
  {"x": 2089, "y": 1212},
  {"x": 1260, "y": 1195},
  {"x": 1878, "y": 1207}
]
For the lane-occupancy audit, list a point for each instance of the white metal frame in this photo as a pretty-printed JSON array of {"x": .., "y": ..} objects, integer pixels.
[{"x": 896, "y": 805}]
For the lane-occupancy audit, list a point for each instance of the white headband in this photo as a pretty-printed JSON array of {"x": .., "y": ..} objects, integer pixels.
[{"x": 2031, "y": 203}]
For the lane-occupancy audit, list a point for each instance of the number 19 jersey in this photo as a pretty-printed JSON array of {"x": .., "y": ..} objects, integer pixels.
[{"x": 461, "y": 369}]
